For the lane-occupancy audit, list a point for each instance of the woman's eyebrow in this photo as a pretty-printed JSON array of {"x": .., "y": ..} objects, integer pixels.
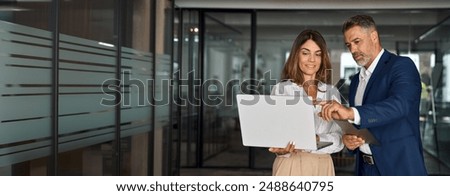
[{"x": 310, "y": 50}]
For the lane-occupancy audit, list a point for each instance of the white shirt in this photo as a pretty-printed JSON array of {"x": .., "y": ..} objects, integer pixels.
[
  {"x": 364, "y": 76},
  {"x": 327, "y": 131}
]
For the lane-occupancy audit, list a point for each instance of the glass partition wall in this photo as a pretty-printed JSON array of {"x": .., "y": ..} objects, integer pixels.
[
  {"x": 26, "y": 88},
  {"x": 227, "y": 64},
  {"x": 431, "y": 51},
  {"x": 79, "y": 87}
]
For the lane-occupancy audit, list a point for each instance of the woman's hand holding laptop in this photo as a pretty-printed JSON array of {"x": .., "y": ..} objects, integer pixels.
[{"x": 290, "y": 148}]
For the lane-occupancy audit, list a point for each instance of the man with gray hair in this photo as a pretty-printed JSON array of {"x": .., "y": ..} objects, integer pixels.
[{"x": 384, "y": 98}]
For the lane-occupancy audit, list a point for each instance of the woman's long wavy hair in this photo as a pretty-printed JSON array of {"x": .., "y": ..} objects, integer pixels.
[{"x": 292, "y": 69}]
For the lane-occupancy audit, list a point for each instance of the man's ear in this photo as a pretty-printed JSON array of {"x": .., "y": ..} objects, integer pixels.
[{"x": 374, "y": 36}]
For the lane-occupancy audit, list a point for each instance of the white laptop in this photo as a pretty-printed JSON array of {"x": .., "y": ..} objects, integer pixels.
[{"x": 274, "y": 121}]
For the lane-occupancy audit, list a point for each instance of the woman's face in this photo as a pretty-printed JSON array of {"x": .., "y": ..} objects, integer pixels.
[{"x": 310, "y": 59}]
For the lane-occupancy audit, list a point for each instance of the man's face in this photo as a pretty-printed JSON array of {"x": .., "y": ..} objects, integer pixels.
[{"x": 361, "y": 43}]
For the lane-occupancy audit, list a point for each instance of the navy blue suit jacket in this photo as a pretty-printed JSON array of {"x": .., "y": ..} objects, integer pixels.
[{"x": 390, "y": 111}]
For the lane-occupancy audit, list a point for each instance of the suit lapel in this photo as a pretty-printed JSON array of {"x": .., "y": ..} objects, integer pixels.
[
  {"x": 353, "y": 86},
  {"x": 384, "y": 60}
]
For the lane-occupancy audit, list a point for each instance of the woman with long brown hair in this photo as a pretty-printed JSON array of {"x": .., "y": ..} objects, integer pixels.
[{"x": 307, "y": 72}]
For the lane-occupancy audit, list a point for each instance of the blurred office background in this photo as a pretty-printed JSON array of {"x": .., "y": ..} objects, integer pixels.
[{"x": 146, "y": 87}]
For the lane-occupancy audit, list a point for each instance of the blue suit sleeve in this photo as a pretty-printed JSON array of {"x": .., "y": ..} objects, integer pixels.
[{"x": 393, "y": 95}]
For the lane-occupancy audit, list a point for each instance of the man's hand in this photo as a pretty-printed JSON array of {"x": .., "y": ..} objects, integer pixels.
[
  {"x": 334, "y": 110},
  {"x": 352, "y": 141}
]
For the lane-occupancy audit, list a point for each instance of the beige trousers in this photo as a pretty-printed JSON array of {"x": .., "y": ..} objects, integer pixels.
[{"x": 303, "y": 164}]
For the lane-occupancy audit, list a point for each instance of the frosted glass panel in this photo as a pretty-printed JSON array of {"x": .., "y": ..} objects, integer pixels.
[
  {"x": 85, "y": 122},
  {"x": 25, "y": 130},
  {"x": 162, "y": 87},
  {"x": 15, "y": 108},
  {"x": 137, "y": 70},
  {"x": 25, "y": 101},
  {"x": 87, "y": 68}
]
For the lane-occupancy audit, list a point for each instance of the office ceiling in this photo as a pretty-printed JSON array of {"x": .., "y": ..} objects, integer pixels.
[
  {"x": 406, "y": 21},
  {"x": 315, "y": 4}
]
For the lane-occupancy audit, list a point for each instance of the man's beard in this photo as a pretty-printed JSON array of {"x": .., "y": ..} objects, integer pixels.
[{"x": 363, "y": 61}]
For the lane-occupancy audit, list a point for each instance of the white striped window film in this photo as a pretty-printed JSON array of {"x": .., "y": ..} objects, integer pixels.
[{"x": 86, "y": 68}]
